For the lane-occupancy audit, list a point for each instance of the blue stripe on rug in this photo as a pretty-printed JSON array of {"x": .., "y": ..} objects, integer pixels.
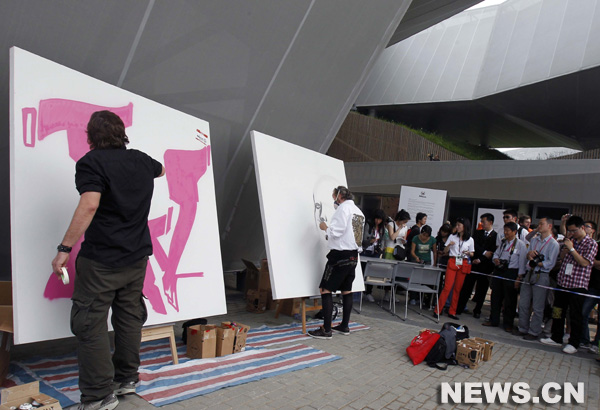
[{"x": 180, "y": 382}]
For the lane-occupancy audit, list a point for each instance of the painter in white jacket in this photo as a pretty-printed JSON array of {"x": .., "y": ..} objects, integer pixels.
[{"x": 344, "y": 236}]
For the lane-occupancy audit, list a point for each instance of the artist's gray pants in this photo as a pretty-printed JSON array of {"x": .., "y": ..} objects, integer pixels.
[
  {"x": 533, "y": 300},
  {"x": 98, "y": 288}
]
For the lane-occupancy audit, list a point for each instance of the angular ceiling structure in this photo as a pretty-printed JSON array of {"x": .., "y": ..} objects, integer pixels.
[
  {"x": 522, "y": 73},
  {"x": 291, "y": 69}
]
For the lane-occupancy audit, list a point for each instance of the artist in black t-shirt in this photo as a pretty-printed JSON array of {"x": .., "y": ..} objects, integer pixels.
[{"x": 116, "y": 186}]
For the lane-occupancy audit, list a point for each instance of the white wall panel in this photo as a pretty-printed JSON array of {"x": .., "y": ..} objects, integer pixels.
[
  {"x": 544, "y": 41},
  {"x": 490, "y": 50},
  {"x": 573, "y": 37}
]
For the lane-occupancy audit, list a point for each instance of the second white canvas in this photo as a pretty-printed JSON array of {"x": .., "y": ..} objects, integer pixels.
[{"x": 295, "y": 186}]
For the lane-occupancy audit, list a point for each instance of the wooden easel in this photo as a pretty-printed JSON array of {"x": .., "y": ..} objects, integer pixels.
[
  {"x": 303, "y": 309},
  {"x": 162, "y": 332}
]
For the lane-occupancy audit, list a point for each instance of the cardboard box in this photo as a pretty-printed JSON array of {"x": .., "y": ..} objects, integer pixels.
[
  {"x": 469, "y": 353},
  {"x": 27, "y": 393},
  {"x": 265, "y": 279},
  {"x": 202, "y": 341},
  {"x": 6, "y": 328},
  {"x": 257, "y": 279},
  {"x": 291, "y": 307},
  {"x": 241, "y": 333},
  {"x": 225, "y": 340},
  {"x": 257, "y": 300},
  {"x": 488, "y": 347}
]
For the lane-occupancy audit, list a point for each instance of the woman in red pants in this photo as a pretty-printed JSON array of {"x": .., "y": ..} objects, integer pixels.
[{"x": 460, "y": 247}]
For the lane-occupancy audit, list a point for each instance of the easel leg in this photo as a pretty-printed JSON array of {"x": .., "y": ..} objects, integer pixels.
[
  {"x": 173, "y": 347},
  {"x": 303, "y": 315}
]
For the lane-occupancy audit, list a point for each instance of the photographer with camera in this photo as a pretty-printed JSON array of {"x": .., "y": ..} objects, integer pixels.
[
  {"x": 510, "y": 260},
  {"x": 372, "y": 244},
  {"x": 395, "y": 238},
  {"x": 572, "y": 280},
  {"x": 543, "y": 251}
]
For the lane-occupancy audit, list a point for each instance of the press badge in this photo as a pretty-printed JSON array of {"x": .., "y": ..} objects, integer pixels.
[
  {"x": 459, "y": 261},
  {"x": 569, "y": 269}
]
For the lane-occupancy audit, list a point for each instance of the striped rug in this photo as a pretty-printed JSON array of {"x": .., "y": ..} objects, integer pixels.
[
  {"x": 268, "y": 336},
  {"x": 174, "y": 383},
  {"x": 58, "y": 376}
]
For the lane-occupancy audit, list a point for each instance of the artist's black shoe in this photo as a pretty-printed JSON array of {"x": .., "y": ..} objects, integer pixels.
[
  {"x": 341, "y": 330},
  {"x": 453, "y": 317},
  {"x": 320, "y": 333},
  {"x": 108, "y": 403},
  {"x": 121, "y": 389},
  {"x": 476, "y": 315}
]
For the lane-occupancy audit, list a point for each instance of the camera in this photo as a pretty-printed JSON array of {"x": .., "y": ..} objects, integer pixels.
[
  {"x": 377, "y": 249},
  {"x": 537, "y": 259},
  {"x": 503, "y": 265}
]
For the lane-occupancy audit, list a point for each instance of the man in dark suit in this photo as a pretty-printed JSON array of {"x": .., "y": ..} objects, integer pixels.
[{"x": 485, "y": 246}]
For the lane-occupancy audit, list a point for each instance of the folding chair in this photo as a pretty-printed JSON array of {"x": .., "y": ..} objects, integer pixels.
[
  {"x": 423, "y": 279},
  {"x": 380, "y": 274}
]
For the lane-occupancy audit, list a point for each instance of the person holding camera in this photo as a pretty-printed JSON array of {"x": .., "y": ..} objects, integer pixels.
[
  {"x": 395, "y": 236},
  {"x": 510, "y": 260},
  {"x": 372, "y": 244},
  {"x": 542, "y": 255},
  {"x": 373, "y": 235},
  {"x": 572, "y": 280}
]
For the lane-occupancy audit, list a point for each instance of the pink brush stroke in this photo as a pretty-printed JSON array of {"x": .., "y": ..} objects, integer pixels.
[{"x": 184, "y": 170}]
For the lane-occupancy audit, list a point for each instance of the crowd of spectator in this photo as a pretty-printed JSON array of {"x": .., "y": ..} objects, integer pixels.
[{"x": 544, "y": 280}]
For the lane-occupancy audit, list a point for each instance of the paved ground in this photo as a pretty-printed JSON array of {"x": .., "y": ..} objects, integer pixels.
[{"x": 375, "y": 371}]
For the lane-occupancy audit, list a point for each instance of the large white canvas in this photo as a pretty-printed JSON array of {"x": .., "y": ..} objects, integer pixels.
[
  {"x": 50, "y": 105},
  {"x": 291, "y": 180},
  {"x": 430, "y": 201}
]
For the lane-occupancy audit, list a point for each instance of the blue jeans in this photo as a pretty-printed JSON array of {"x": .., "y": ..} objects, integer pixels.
[{"x": 588, "y": 305}]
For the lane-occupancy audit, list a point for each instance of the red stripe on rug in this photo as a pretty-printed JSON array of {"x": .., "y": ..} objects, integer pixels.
[
  {"x": 263, "y": 369},
  {"x": 205, "y": 366}
]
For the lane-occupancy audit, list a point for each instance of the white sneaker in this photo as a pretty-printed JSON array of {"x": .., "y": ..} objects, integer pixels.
[
  {"x": 593, "y": 349},
  {"x": 566, "y": 338},
  {"x": 570, "y": 349},
  {"x": 548, "y": 341},
  {"x": 370, "y": 298}
]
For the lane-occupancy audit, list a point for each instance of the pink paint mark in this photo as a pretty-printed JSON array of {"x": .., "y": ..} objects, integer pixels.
[
  {"x": 29, "y": 138},
  {"x": 57, "y": 114},
  {"x": 169, "y": 218},
  {"x": 55, "y": 289},
  {"x": 151, "y": 291},
  {"x": 184, "y": 170}
]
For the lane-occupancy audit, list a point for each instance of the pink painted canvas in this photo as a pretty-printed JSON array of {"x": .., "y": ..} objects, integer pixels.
[{"x": 184, "y": 278}]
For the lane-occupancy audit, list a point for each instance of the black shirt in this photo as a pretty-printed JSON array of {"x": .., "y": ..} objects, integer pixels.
[{"x": 118, "y": 234}]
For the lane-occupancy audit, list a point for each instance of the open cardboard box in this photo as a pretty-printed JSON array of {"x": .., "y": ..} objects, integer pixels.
[
  {"x": 257, "y": 279},
  {"x": 27, "y": 393},
  {"x": 201, "y": 341},
  {"x": 469, "y": 353},
  {"x": 6, "y": 327}
]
